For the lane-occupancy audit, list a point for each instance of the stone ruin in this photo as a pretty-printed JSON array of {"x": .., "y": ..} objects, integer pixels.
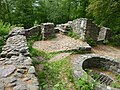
[
  {"x": 62, "y": 28},
  {"x": 47, "y": 30},
  {"x": 86, "y": 29},
  {"x": 17, "y": 72},
  {"x": 104, "y": 34},
  {"x": 16, "y": 69},
  {"x": 89, "y": 61}
]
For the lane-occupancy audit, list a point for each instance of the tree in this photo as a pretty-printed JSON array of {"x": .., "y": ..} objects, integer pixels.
[{"x": 106, "y": 13}]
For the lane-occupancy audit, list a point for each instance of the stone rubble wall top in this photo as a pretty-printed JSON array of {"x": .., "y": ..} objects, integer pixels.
[{"x": 16, "y": 70}]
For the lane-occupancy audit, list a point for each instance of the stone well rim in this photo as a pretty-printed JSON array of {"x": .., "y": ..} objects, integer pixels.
[{"x": 79, "y": 72}]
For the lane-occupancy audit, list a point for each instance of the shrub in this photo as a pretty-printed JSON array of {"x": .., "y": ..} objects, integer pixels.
[
  {"x": 91, "y": 42},
  {"x": 116, "y": 40},
  {"x": 105, "y": 42},
  {"x": 4, "y": 30},
  {"x": 73, "y": 34},
  {"x": 85, "y": 83}
]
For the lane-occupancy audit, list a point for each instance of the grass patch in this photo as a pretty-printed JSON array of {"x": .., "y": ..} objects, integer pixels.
[
  {"x": 116, "y": 84},
  {"x": 54, "y": 74},
  {"x": 73, "y": 34}
]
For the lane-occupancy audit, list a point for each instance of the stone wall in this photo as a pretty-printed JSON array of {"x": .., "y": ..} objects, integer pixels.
[
  {"x": 47, "y": 30},
  {"x": 85, "y": 28},
  {"x": 33, "y": 30},
  {"x": 16, "y": 70},
  {"x": 80, "y": 64},
  {"x": 104, "y": 34}
]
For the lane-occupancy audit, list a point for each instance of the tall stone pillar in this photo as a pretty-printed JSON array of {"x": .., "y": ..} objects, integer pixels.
[{"x": 47, "y": 30}]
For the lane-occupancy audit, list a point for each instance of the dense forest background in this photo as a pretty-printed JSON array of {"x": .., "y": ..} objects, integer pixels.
[{"x": 28, "y": 13}]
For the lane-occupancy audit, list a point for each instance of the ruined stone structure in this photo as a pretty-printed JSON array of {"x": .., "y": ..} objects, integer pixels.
[
  {"x": 47, "y": 30},
  {"x": 16, "y": 70},
  {"x": 62, "y": 28},
  {"x": 104, "y": 34},
  {"x": 86, "y": 29},
  {"x": 88, "y": 61},
  {"x": 33, "y": 30}
]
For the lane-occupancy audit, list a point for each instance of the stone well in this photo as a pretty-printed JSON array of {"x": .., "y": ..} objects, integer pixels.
[{"x": 90, "y": 61}]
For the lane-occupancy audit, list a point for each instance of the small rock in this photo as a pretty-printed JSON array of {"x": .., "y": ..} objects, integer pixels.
[
  {"x": 8, "y": 63},
  {"x": 27, "y": 54},
  {"x": 18, "y": 75},
  {"x": 14, "y": 58},
  {"x": 22, "y": 67},
  {"x": 21, "y": 87},
  {"x": 31, "y": 70},
  {"x": 3, "y": 54},
  {"x": 10, "y": 54},
  {"x": 2, "y": 59},
  {"x": 35, "y": 82},
  {"x": 21, "y": 57},
  {"x": 13, "y": 79},
  {"x": 11, "y": 84},
  {"x": 33, "y": 87},
  {"x": 28, "y": 61},
  {"x": 26, "y": 79},
  {"x": 22, "y": 50},
  {"x": 118, "y": 70},
  {"x": 20, "y": 71}
]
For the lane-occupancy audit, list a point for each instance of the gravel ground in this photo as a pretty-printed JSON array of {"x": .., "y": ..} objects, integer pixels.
[{"x": 60, "y": 43}]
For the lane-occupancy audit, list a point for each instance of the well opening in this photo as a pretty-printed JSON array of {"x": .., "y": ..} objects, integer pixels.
[{"x": 100, "y": 69}]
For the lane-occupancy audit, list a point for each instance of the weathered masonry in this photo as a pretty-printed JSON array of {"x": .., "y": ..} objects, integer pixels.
[
  {"x": 93, "y": 61},
  {"x": 86, "y": 29},
  {"x": 16, "y": 70}
]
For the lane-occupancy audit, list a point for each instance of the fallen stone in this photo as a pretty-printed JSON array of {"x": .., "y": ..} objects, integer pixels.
[
  {"x": 21, "y": 87},
  {"x": 7, "y": 62},
  {"x": 22, "y": 67},
  {"x": 2, "y": 59},
  {"x": 10, "y": 54},
  {"x": 3, "y": 54},
  {"x": 11, "y": 84},
  {"x": 13, "y": 79},
  {"x": 28, "y": 61},
  {"x": 35, "y": 82},
  {"x": 31, "y": 70},
  {"x": 118, "y": 70},
  {"x": 7, "y": 70},
  {"x": 19, "y": 75},
  {"x": 22, "y": 50},
  {"x": 32, "y": 87},
  {"x": 26, "y": 79},
  {"x": 20, "y": 71}
]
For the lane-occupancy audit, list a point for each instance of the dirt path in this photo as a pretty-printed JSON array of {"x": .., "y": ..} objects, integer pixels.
[{"x": 107, "y": 51}]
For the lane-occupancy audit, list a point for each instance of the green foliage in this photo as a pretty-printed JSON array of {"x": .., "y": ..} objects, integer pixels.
[
  {"x": 73, "y": 34},
  {"x": 4, "y": 30},
  {"x": 116, "y": 84},
  {"x": 106, "y": 13},
  {"x": 106, "y": 42},
  {"x": 85, "y": 83},
  {"x": 116, "y": 40},
  {"x": 91, "y": 42},
  {"x": 52, "y": 75}
]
